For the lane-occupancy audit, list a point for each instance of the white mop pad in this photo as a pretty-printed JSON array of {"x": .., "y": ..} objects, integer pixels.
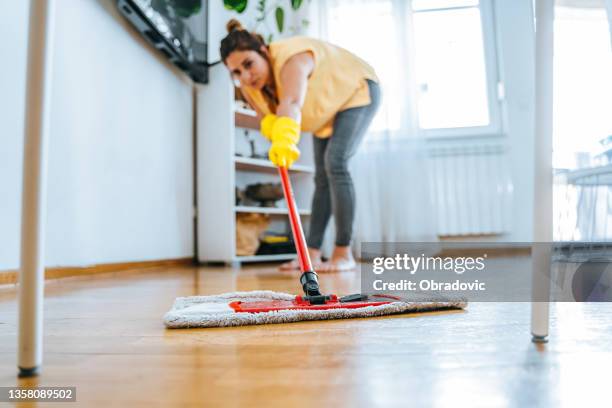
[{"x": 213, "y": 311}]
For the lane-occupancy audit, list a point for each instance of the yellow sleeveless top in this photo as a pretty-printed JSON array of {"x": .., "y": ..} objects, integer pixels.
[{"x": 337, "y": 82}]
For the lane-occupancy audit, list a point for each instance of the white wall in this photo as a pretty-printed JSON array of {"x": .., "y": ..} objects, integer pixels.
[
  {"x": 120, "y": 156},
  {"x": 12, "y": 99}
]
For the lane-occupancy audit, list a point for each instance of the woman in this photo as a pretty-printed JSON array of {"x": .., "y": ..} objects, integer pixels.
[{"x": 306, "y": 84}]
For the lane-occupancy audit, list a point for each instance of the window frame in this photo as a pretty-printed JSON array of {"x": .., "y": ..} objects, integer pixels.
[{"x": 494, "y": 83}]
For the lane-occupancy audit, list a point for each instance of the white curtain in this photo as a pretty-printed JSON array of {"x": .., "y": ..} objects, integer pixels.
[{"x": 390, "y": 169}]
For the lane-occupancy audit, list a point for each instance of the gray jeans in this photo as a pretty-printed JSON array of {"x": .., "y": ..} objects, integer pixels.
[{"x": 334, "y": 191}]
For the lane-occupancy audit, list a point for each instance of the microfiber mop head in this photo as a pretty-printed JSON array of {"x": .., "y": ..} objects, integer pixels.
[{"x": 267, "y": 307}]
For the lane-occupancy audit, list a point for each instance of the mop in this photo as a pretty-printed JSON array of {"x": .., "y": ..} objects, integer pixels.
[{"x": 266, "y": 307}]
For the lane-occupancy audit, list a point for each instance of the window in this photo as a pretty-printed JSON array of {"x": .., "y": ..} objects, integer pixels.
[
  {"x": 582, "y": 86},
  {"x": 439, "y": 53},
  {"x": 457, "y": 89}
]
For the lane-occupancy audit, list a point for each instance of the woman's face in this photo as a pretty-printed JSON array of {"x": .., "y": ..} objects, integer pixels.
[{"x": 250, "y": 68}]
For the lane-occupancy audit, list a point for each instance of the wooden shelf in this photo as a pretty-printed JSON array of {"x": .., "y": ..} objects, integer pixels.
[
  {"x": 244, "y": 111},
  {"x": 265, "y": 258},
  {"x": 247, "y": 163},
  {"x": 267, "y": 210},
  {"x": 245, "y": 117}
]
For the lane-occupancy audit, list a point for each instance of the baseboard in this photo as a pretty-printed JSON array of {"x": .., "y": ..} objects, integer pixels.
[
  {"x": 491, "y": 252},
  {"x": 470, "y": 238},
  {"x": 11, "y": 277}
]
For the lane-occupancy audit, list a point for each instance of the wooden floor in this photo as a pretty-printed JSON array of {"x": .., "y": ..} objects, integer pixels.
[{"x": 104, "y": 335}]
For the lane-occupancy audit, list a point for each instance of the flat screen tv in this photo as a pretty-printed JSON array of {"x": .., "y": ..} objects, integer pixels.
[{"x": 176, "y": 28}]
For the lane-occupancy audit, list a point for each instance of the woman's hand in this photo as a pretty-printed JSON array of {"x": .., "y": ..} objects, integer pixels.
[{"x": 285, "y": 137}]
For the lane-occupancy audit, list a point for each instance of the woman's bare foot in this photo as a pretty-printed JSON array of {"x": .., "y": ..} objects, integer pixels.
[
  {"x": 315, "y": 258},
  {"x": 341, "y": 260}
]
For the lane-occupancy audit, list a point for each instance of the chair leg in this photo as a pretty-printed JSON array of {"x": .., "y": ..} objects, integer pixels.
[
  {"x": 31, "y": 276},
  {"x": 540, "y": 305},
  {"x": 543, "y": 176}
]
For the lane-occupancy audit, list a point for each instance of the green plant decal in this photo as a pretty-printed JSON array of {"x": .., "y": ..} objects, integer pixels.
[
  {"x": 261, "y": 9},
  {"x": 237, "y": 5},
  {"x": 279, "y": 14},
  {"x": 295, "y": 4},
  {"x": 186, "y": 8}
]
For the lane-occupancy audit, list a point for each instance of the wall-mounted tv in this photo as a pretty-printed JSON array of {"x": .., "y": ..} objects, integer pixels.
[{"x": 177, "y": 28}]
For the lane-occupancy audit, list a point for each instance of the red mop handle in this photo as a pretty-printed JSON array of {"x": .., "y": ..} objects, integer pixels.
[{"x": 296, "y": 224}]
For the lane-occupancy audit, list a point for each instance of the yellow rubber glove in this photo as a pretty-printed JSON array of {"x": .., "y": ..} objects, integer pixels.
[
  {"x": 266, "y": 125},
  {"x": 285, "y": 137}
]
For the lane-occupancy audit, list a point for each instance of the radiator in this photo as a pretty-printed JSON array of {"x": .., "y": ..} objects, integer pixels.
[{"x": 472, "y": 189}]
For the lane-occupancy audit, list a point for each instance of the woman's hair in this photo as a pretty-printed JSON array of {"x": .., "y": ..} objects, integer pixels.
[{"x": 240, "y": 39}]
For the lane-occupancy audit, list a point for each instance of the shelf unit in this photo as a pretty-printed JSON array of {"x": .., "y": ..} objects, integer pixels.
[
  {"x": 265, "y": 258},
  {"x": 247, "y": 163},
  {"x": 223, "y": 134},
  {"x": 267, "y": 210},
  {"x": 241, "y": 110}
]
